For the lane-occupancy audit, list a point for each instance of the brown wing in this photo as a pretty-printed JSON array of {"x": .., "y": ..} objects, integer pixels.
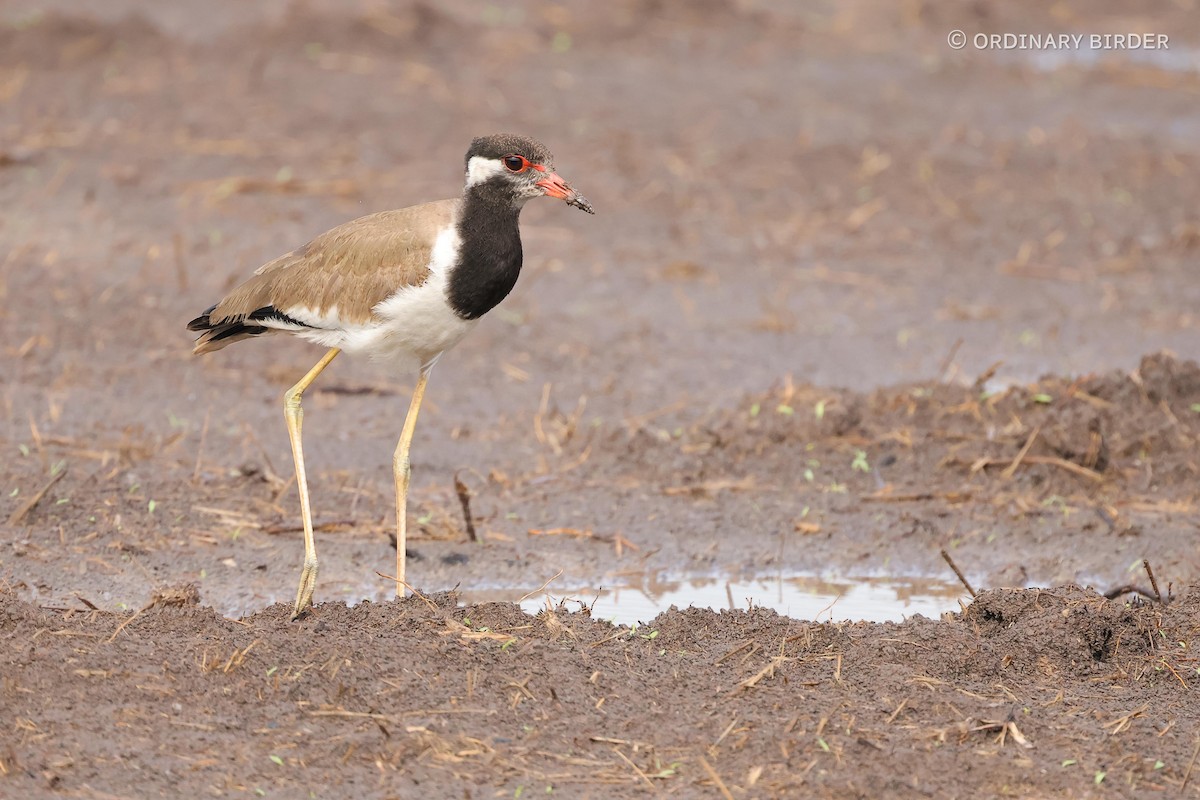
[{"x": 354, "y": 266}]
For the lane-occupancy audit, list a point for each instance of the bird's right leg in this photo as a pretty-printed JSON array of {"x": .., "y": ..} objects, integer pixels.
[
  {"x": 403, "y": 473},
  {"x": 294, "y": 415}
]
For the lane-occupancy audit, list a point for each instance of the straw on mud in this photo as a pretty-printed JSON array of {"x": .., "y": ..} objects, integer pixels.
[
  {"x": 620, "y": 543},
  {"x": 271, "y": 476},
  {"x": 915, "y": 497},
  {"x": 1187, "y": 775},
  {"x": 1069, "y": 466},
  {"x": 1052, "y": 461},
  {"x": 634, "y": 743},
  {"x": 341, "y": 712},
  {"x": 1121, "y": 723},
  {"x": 958, "y": 572},
  {"x": 464, "y": 497},
  {"x": 949, "y": 359},
  {"x": 743, "y": 646},
  {"x": 1175, "y": 672},
  {"x": 577, "y": 461},
  {"x": 539, "y": 430},
  {"x": 1011, "y": 469},
  {"x": 77, "y": 449},
  {"x": 270, "y": 472},
  {"x": 829, "y": 608},
  {"x": 712, "y": 773},
  {"x": 25, "y": 349},
  {"x": 636, "y": 422},
  {"x": 19, "y": 515},
  {"x": 710, "y": 488},
  {"x": 728, "y": 730},
  {"x": 541, "y": 588},
  {"x": 125, "y": 624},
  {"x": 1095, "y": 445},
  {"x": 407, "y": 585},
  {"x": 1153, "y": 582},
  {"x": 582, "y": 534},
  {"x": 322, "y": 527},
  {"x": 766, "y": 672},
  {"x": 1005, "y": 730},
  {"x": 165, "y": 598},
  {"x": 229, "y": 516},
  {"x": 638, "y": 770},
  {"x": 987, "y": 374},
  {"x": 1127, "y": 588},
  {"x": 203, "y": 436}
]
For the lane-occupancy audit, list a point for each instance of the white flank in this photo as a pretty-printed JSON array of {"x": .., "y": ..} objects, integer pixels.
[{"x": 413, "y": 326}]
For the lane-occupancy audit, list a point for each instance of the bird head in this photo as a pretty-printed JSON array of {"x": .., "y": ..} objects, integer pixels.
[{"x": 519, "y": 167}]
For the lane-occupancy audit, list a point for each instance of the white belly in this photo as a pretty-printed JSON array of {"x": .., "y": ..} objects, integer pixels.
[{"x": 415, "y": 322}]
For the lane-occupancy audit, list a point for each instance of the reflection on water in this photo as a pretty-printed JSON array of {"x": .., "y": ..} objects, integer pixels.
[{"x": 809, "y": 597}]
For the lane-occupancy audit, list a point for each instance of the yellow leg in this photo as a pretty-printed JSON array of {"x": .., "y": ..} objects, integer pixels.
[
  {"x": 294, "y": 415},
  {"x": 403, "y": 471}
]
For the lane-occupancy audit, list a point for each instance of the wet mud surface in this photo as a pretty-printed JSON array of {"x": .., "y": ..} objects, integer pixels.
[{"x": 850, "y": 299}]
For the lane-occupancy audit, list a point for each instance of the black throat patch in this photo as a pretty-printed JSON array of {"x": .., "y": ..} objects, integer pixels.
[{"x": 489, "y": 256}]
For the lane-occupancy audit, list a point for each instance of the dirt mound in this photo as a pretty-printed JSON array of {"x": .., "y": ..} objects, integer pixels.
[
  {"x": 1068, "y": 629},
  {"x": 1065, "y": 435}
]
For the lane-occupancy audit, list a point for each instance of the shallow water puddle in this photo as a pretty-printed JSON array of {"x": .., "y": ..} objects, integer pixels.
[
  {"x": 870, "y": 598},
  {"x": 809, "y": 597}
]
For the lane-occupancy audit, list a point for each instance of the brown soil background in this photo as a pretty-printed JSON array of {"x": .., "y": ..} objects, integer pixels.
[{"x": 991, "y": 253}]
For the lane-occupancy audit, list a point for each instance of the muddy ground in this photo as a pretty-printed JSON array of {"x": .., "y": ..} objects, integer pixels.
[{"x": 990, "y": 254}]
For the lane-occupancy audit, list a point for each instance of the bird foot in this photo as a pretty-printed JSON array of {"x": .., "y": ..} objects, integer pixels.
[{"x": 308, "y": 583}]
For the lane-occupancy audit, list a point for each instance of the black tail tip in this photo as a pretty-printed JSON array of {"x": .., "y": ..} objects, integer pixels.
[{"x": 202, "y": 322}]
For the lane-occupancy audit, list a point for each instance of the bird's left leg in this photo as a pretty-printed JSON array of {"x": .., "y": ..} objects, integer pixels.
[
  {"x": 402, "y": 471},
  {"x": 294, "y": 414}
]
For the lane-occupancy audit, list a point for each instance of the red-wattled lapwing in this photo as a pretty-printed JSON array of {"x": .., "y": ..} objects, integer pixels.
[{"x": 401, "y": 285}]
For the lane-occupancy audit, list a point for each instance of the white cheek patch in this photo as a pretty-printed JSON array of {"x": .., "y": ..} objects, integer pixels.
[{"x": 480, "y": 169}]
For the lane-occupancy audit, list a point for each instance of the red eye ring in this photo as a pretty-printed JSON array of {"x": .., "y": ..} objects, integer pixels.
[{"x": 516, "y": 163}]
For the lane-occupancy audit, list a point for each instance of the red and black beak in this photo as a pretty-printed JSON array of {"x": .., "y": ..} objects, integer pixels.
[{"x": 554, "y": 186}]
